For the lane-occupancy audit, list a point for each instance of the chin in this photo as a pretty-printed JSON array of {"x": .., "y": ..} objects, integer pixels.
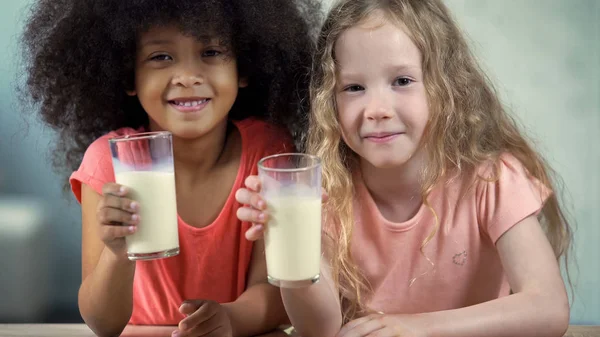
[
  {"x": 387, "y": 162},
  {"x": 187, "y": 132}
]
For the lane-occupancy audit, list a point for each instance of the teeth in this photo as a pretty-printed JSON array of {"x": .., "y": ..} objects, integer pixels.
[{"x": 190, "y": 103}]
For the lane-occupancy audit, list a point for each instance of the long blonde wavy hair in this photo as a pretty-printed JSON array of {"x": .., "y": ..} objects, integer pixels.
[{"x": 468, "y": 126}]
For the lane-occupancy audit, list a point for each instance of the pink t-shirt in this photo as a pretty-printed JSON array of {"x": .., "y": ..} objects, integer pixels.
[
  {"x": 460, "y": 266},
  {"x": 214, "y": 260}
]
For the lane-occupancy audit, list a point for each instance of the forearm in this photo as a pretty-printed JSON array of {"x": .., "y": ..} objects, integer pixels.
[
  {"x": 258, "y": 310},
  {"x": 106, "y": 295},
  {"x": 521, "y": 314},
  {"x": 314, "y": 311}
]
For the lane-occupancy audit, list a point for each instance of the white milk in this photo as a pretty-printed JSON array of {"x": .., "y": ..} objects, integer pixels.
[
  {"x": 293, "y": 237},
  {"x": 155, "y": 192}
]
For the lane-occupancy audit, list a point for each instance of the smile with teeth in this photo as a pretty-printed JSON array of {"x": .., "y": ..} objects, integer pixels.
[{"x": 189, "y": 103}]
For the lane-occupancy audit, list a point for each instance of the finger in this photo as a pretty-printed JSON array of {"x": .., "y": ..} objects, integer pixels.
[
  {"x": 125, "y": 204},
  {"x": 207, "y": 329},
  {"x": 251, "y": 215},
  {"x": 247, "y": 197},
  {"x": 355, "y": 324},
  {"x": 385, "y": 332},
  {"x": 365, "y": 329},
  {"x": 109, "y": 233},
  {"x": 114, "y": 189},
  {"x": 324, "y": 195},
  {"x": 204, "y": 312},
  {"x": 253, "y": 183},
  {"x": 255, "y": 232},
  {"x": 110, "y": 216},
  {"x": 188, "y": 307}
]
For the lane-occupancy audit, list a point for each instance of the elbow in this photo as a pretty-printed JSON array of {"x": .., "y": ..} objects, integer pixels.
[
  {"x": 102, "y": 326},
  {"x": 100, "y": 329},
  {"x": 560, "y": 318},
  {"x": 104, "y": 330},
  {"x": 556, "y": 315}
]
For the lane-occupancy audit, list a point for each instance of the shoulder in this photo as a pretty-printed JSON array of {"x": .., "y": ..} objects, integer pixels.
[
  {"x": 96, "y": 167},
  {"x": 265, "y": 137},
  {"x": 506, "y": 193}
]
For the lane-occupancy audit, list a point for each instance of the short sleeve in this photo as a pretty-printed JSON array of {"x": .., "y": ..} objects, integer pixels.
[
  {"x": 510, "y": 198},
  {"x": 278, "y": 141},
  {"x": 263, "y": 139},
  {"x": 95, "y": 169}
]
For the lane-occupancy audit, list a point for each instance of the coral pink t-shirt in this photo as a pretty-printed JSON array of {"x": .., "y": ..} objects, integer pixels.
[
  {"x": 460, "y": 266},
  {"x": 213, "y": 260}
]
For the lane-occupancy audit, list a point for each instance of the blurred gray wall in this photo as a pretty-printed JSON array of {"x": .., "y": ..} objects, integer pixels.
[
  {"x": 543, "y": 54},
  {"x": 27, "y": 179}
]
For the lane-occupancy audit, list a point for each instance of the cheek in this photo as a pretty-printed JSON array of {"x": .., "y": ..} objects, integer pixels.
[
  {"x": 149, "y": 87},
  {"x": 225, "y": 77}
]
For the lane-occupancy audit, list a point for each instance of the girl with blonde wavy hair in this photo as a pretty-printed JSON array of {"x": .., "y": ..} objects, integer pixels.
[{"x": 441, "y": 218}]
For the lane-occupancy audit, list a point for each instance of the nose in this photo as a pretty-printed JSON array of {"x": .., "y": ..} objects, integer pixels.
[
  {"x": 378, "y": 107},
  {"x": 188, "y": 75}
]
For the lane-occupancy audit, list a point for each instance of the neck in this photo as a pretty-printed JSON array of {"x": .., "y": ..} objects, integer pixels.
[
  {"x": 198, "y": 156},
  {"x": 396, "y": 187}
]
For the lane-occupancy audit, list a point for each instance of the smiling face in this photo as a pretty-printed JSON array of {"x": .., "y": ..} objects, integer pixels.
[
  {"x": 380, "y": 95},
  {"x": 187, "y": 86}
]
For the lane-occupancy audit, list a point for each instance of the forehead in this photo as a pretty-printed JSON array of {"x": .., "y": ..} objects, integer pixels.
[
  {"x": 171, "y": 32},
  {"x": 376, "y": 40}
]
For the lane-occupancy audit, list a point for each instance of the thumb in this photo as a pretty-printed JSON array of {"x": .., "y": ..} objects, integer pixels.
[
  {"x": 188, "y": 307},
  {"x": 324, "y": 195}
]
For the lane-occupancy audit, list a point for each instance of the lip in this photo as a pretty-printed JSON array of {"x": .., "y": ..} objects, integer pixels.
[
  {"x": 382, "y": 137},
  {"x": 189, "y": 104}
]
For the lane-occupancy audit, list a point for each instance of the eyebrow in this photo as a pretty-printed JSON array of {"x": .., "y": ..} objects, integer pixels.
[
  {"x": 391, "y": 69},
  {"x": 155, "y": 42}
]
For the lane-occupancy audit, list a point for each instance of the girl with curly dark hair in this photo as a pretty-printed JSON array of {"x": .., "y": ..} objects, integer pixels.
[{"x": 225, "y": 77}]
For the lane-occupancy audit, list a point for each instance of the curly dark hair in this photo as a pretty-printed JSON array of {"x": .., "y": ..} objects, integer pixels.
[{"x": 79, "y": 61}]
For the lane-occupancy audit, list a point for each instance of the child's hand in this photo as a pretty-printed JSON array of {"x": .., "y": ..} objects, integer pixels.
[
  {"x": 117, "y": 217},
  {"x": 204, "y": 318},
  {"x": 255, "y": 209},
  {"x": 379, "y": 325}
]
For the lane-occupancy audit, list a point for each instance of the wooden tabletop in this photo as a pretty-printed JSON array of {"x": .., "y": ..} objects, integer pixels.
[{"x": 81, "y": 330}]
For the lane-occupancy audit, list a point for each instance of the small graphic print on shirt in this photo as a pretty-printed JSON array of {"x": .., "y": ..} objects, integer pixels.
[{"x": 460, "y": 259}]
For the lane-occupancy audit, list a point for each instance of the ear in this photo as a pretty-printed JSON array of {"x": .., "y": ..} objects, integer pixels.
[
  {"x": 243, "y": 82},
  {"x": 130, "y": 92}
]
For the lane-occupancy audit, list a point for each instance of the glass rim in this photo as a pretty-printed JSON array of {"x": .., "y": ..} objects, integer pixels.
[
  {"x": 140, "y": 136},
  {"x": 316, "y": 162}
]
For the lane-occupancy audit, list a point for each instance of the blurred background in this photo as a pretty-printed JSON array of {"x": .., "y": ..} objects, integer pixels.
[{"x": 544, "y": 56}]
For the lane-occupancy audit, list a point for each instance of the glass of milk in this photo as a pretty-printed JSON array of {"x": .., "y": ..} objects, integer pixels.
[
  {"x": 144, "y": 163},
  {"x": 291, "y": 187}
]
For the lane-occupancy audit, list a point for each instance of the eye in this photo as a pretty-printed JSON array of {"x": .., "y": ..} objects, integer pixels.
[
  {"x": 403, "y": 81},
  {"x": 211, "y": 53},
  {"x": 353, "y": 88},
  {"x": 161, "y": 57}
]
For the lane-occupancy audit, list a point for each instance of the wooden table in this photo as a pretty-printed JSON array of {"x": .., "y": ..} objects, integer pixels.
[{"x": 81, "y": 330}]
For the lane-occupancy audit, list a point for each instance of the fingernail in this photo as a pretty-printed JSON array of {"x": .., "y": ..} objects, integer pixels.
[
  {"x": 259, "y": 227},
  {"x": 261, "y": 216},
  {"x": 132, "y": 229},
  {"x": 122, "y": 189},
  {"x": 175, "y": 333},
  {"x": 135, "y": 217},
  {"x": 133, "y": 205},
  {"x": 261, "y": 204}
]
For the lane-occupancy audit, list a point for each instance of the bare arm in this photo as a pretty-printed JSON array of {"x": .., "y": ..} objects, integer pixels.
[
  {"x": 259, "y": 309},
  {"x": 106, "y": 292},
  {"x": 315, "y": 310},
  {"x": 538, "y": 307}
]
